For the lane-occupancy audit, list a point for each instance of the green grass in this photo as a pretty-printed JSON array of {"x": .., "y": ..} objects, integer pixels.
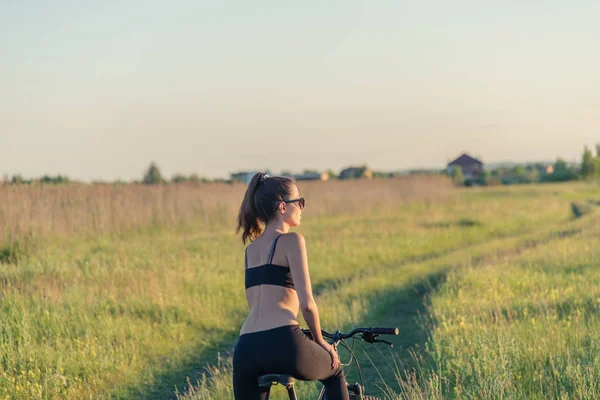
[
  {"x": 523, "y": 327},
  {"x": 135, "y": 314}
]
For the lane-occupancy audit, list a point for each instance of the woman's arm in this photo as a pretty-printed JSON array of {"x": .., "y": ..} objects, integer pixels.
[
  {"x": 298, "y": 261},
  {"x": 299, "y": 268}
]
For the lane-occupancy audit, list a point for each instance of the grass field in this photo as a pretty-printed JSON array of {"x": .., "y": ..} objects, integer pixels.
[{"x": 132, "y": 292}]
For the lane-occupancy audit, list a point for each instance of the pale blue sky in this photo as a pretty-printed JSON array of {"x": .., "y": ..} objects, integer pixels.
[{"x": 96, "y": 90}]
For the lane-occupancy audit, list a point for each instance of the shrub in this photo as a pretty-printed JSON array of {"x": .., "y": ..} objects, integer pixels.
[{"x": 580, "y": 209}]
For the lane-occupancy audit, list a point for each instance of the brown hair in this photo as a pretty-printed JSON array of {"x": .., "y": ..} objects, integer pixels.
[{"x": 260, "y": 202}]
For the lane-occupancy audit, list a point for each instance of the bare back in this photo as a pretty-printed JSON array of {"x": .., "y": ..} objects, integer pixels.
[{"x": 271, "y": 306}]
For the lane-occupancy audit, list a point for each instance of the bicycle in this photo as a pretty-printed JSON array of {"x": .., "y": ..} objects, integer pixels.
[{"x": 356, "y": 390}]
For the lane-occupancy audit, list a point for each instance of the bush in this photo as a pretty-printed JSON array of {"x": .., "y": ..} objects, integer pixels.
[
  {"x": 14, "y": 251},
  {"x": 457, "y": 175},
  {"x": 580, "y": 209}
]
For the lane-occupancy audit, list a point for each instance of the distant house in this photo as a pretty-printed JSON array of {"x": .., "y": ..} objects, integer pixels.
[
  {"x": 356, "y": 173},
  {"x": 312, "y": 176},
  {"x": 471, "y": 167}
]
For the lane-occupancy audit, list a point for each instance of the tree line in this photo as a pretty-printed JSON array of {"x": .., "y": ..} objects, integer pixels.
[
  {"x": 589, "y": 168},
  {"x": 560, "y": 171}
]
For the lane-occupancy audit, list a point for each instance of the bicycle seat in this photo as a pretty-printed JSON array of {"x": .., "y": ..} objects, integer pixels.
[{"x": 271, "y": 379}]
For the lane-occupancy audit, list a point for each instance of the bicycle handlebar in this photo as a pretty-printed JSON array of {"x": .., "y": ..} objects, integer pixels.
[
  {"x": 369, "y": 335},
  {"x": 386, "y": 331}
]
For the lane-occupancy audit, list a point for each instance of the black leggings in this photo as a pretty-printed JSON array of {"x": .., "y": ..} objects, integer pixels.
[{"x": 283, "y": 350}]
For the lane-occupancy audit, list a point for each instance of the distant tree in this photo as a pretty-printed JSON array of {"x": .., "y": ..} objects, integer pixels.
[
  {"x": 152, "y": 175},
  {"x": 17, "y": 179},
  {"x": 485, "y": 177},
  {"x": 177, "y": 178},
  {"x": 534, "y": 175},
  {"x": 589, "y": 164},
  {"x": 194, "y": 178},
  {"x": 520, "y": 174},
  {"x": 562, "y": 172},
  {"x": 382, "y": 174},
  {"x": 55, "y": 180},
  {"x": 457, "y": 175}
]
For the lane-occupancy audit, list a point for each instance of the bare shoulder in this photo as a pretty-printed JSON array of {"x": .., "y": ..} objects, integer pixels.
[{"x": 294, "y": 241}]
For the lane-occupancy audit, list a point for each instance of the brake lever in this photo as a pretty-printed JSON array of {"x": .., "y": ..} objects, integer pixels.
[
  {"x": 383, "y": 341},
  {"x": 368, "y": 337}
]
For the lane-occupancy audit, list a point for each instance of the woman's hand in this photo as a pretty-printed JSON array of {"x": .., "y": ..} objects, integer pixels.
[{"x": 335, "y": 358}]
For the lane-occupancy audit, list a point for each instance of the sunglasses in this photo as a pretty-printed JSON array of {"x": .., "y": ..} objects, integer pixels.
[{"x": 299, "y": 200}]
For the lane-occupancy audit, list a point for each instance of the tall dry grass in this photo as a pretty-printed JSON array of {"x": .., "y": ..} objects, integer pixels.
[{"x": 79, "y": 209}]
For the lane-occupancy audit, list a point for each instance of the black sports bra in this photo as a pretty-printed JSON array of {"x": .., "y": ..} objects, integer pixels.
[{"x": 269, "y": 273}]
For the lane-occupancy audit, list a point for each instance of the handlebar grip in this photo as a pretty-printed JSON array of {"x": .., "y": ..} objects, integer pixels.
[{"x": 385, "y": 331}]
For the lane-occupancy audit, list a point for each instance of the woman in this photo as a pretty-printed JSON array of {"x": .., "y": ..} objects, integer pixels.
[{"x": 277, "y": 287}]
